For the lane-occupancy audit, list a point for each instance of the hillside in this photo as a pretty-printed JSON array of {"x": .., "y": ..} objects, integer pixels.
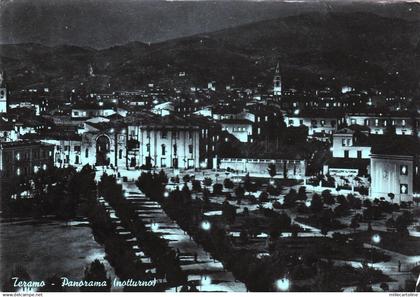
[{"x": 361, "y": 49}]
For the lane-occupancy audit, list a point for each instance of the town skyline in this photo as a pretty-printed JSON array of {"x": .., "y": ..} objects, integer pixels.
[{"x": 235, "y": 153}]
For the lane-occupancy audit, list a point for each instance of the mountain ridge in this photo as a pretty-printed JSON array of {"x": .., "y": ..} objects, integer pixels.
[{"x": 351, "y": 46}]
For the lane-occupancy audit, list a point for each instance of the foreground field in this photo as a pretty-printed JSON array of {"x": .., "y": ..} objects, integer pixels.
[{"x": 47, "y": 248}]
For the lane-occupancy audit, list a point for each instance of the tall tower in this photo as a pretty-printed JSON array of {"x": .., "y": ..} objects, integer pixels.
[
  {"x": 277, "y": 81},
  {"x": 3, "y": 93}
]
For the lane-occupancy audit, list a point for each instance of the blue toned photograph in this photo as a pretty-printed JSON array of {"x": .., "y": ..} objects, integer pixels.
[{"x": 209, "y": 146}]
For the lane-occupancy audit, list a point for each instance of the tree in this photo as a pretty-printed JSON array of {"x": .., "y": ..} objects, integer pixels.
[
  {"x": 206, "y": 196},
  {"x": 228, "y": 212},
  {"x": 324, "y": 230},
  {"x": 272, "y": 170},
  {"x": 290, "y": 198},
  {"x": 96, "y": 272},
  {"x": 239, "y": 193},
  {"x": 354, "y": 224},
  {"x": 228, "y": 184},
  {"x": 327, "y": 197},
  {"x": 301, "y": 195},
  {"x": 247, "y": 183},
  {"x": 217, "y": 189},
  {"x": 280, "y": 222},
  {"x": 244, "y": 236},
  {"x": 207, "y": 181},
  {"x": 186, "y": 178},
  {"x": 316, "y": 204},
  {"x": 263, "y": 197},
  {"x": 196, "y": 185},
  {"x": 401, "y": 224}
]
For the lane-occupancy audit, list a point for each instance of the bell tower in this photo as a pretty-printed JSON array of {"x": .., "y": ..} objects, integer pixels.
[
  {"x": 3, "y": 93},
  {"x": 277, "y": 81}
]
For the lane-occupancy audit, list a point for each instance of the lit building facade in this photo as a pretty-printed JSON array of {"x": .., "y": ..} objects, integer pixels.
[
  {"x": 392, "y": 174},
  {"x": 163, "y": 145},
  {"x": 19, "y": 160}
]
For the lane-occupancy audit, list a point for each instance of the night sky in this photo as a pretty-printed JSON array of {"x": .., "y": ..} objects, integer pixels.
[{"x": 104, "y": 23}]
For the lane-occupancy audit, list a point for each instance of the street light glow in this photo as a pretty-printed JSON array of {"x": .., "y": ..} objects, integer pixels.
[
  {"x": 206, "y": 280},
  {"x": 376, "y": 238},
  {"x": 154, "y": 227},
  {"x": 166, "y": 194},
  {"x": 308, "y": 203},
  {"x": 206, "y": 225},
  {"x": 283, "y": 284}
]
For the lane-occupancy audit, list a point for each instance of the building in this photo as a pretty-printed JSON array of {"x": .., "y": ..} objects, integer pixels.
[
  {"x": 8, "y": 132},
  {"x": 240, "y": 128},
  {"x": 392, "y": 174},
  {"x": 160, "y": 142},
  {"x": 277, "y": 82},
  {"x": 285, "y": 168},
  {"x": 379, "y": 123},
  {"x": 104, "y": 144},
  {"x": 3, "y": 93},
  {"x": 19, "y": 160},
  {"x": 394, "y": 169},
  {"x": 351, "y": 143},
  {"x": 316, "y": 121},
  {"x": 67, "y": 147}
]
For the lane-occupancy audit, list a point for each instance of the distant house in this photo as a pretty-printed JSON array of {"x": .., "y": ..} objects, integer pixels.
[
  {"x": 378, "y": 123},
  {"x": 317, "y": 122},
  {"x": 241, "y": 129}
]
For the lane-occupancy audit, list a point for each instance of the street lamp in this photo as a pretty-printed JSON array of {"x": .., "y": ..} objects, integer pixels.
[
  {"x": 154, "y": 227},
  {"x": 205, "y": 280},
  {"x": 205, "y": 225},
  {"x": 376, "y": 238},
  {"x": 308, "y": 203},
  {"x": 166, "y": 194},
  {"x": 283, "y": 284}
]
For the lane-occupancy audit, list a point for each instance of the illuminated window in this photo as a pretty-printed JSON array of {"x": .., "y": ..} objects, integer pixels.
[
  {"x": 18, "y": 156},
  {"x": 403, "y": 189},
  {"x": 18, "y": 171},
  {"x": 403, "y": 170}
]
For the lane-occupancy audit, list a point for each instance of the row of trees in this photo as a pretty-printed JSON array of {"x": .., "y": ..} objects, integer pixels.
[
  {"x": 162, "y": 255},
  {"x": 63, "y": 192}
]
